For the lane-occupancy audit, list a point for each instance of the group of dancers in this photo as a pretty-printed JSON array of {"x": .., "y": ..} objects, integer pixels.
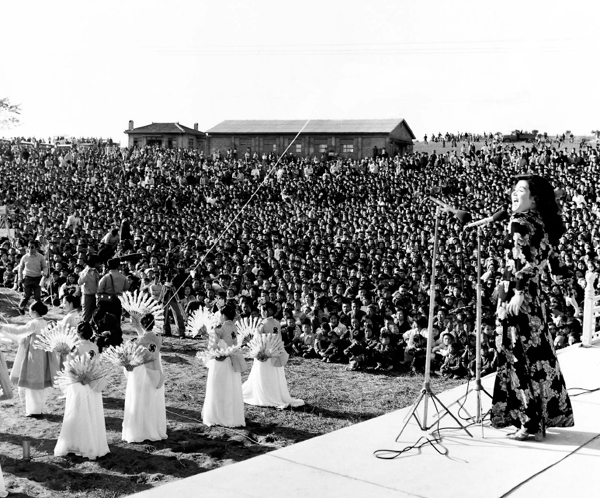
[{"x": 83, "y": 430}]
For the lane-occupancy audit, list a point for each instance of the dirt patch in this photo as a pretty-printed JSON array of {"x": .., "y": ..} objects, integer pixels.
[{"x": 335, "y": 398}]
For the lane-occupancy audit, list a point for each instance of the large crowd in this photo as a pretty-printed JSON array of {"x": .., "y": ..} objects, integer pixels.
[{"x": 341, "y": 247}]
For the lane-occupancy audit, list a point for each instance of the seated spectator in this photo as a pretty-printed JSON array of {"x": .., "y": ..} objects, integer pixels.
[{"x": 452, "y": 366}]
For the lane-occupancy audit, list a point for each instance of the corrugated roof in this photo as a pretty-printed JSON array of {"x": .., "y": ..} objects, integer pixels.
[
  {"x": 313, "y": 126},
  {"x": 158, "y": 128}
]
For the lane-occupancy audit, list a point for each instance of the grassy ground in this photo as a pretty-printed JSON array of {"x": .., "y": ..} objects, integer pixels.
[{"x": 335, "y": 398}]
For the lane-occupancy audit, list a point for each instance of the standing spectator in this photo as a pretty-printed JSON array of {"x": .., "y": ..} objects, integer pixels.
[
  {"x": 31, "y": 269},
  {"x": 111, "y": 286},
  {"x": 88, "y": 280}
]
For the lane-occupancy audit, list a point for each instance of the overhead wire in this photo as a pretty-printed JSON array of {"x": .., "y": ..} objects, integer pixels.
[{"x": 222, "y": 234}]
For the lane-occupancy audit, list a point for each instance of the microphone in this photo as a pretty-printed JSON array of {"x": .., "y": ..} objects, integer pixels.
[
  {"x": 463, "y": 216},
  {"x": 498, "y": 216}
]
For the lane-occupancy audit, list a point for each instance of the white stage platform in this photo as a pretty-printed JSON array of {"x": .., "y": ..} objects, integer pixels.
[{"x": 341, "y": 464}]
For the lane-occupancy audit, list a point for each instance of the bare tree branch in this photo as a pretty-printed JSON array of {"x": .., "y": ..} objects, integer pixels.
[{"x": 9, "y": 113}]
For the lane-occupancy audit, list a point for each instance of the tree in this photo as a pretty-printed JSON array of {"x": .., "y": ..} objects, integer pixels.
[{"x": 9, "y": 113}]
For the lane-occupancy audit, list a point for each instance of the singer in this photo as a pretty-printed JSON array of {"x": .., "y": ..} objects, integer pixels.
[{"x": 529, "y": 391}]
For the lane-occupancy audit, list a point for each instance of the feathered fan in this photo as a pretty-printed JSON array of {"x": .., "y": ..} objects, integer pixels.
[
  {"x": 216, "y": 350},
  {"x": 57, "y": 338},
  {"x": 82, "y": 369},
  {"x": 140, "y": 303},
  {"x": 128, "y": 355},
  {"x": 265, "y": 346},
  {"x": 247, "y": 327},
  {"x": 200, "y": 321}
]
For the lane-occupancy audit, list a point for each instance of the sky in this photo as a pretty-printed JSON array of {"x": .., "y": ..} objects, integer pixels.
[{"x": 86, "y": 68}]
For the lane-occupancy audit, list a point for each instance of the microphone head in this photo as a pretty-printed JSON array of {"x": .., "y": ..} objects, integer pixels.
[
  {"x": 463, "y": 216},
  {"x": 500, "y": 215}
]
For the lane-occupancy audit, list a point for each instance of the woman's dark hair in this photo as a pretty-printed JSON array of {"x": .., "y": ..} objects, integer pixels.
[
  {"x": 147, "y": 321},
  {"x": 71, "y": 299},
  {"x": 542, "y": 192},
  {"x": 85, "y": 331},
  {"x": 228, "y": 311},
  {"x": 40, "y": 308}
]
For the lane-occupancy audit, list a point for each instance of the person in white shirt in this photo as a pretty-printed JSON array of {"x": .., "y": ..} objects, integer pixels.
[{"x": 72, "y": 316}]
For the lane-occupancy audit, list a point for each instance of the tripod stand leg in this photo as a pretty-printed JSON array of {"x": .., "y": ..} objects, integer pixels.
[
  {"x": 412, "y": 413},
  {"x": 448, "y": 412}
]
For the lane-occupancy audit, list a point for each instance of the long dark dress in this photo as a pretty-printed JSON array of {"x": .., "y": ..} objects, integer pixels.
[{"x": 529, "y": 390}]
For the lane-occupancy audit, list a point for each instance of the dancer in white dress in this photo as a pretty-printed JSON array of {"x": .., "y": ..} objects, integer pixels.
[
  {"x": 83, "y": 431},
  {"x": 5, "y": 385},
  {"x": 145, "y": 416},
  {"x": 3, "y": 491},
  {"x": 266, "y": 384},
  {"x": 223, "y": 402},
  {"x": 34, "y": 369},
  {"x": 5, "y": 393}
]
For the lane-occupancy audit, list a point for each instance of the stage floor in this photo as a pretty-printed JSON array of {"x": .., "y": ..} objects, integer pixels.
[{"x": 342, "y": 464}]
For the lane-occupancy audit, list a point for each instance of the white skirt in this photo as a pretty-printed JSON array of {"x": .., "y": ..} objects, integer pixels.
[
  {"x": 83, "y": 431},
  {"x": 223, "y": 402},
  {"x": 145, "y": 416},
  {"x": 33, "y": 399},
  {"x": 3, "y": 491},
  {"x": 267, "y": 386}
]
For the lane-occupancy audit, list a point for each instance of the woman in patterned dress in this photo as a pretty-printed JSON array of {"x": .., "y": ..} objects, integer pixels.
[{"x": 529, "y": 391}]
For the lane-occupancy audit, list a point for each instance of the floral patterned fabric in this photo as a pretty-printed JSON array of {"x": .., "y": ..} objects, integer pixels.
[{"x": 529, "y": 389}]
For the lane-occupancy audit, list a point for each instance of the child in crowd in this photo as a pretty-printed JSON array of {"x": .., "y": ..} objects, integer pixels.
[
  {"x": 290, "y": 332},
  {"x": 441, "y": 350},
  {"x": 322, "y": 340},
  {"x": 415, "y": 356},
  {"x": 303, "y": 345},
  {"x": 385, "y": 353},
  {"x": 452, "y": 366},
  {"x": 489, "y": 361},
  {"x": 356, "y": 352},
  {"x": 468, "y": 356},
  {"x": 335, "y": 351},
  {"x": 8, "y": 279}
]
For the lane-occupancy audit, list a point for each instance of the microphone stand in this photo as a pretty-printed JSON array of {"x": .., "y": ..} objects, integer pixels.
[
  {"x": 478, "y": 387},
  {"x": 426, "y": 392}
]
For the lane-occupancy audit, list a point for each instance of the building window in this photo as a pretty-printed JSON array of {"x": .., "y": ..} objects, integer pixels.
[
  {"x": 190, "y": 143},
  {"x": 136, "y": 142},
  {"x": 322, "y": 148},
  {"x": 298, "y": 148},
  {"x": 348, "y": 148}
]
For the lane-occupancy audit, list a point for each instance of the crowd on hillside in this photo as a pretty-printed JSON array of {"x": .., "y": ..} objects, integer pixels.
[{"x": 342, "y": 247}]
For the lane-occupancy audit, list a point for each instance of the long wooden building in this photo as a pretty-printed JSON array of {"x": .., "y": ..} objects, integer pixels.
[{"x": 352, "y": 138}]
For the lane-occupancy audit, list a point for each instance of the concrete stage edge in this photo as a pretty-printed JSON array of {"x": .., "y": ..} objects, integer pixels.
[{"x": 341, "y": 464}]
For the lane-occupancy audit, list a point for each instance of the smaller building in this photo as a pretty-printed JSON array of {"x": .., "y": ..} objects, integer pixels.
[
  {"x": 352, "y": 138},
  {"x": 166, "y": 135}
]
